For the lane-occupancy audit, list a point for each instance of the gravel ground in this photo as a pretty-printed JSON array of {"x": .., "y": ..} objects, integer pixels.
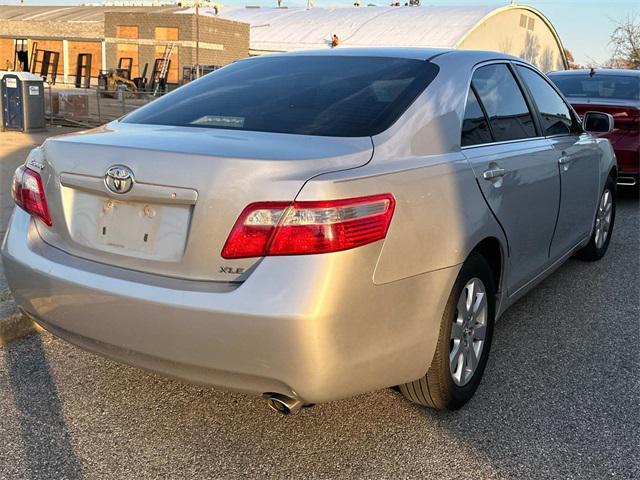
[{"x": 560, "y": 399}]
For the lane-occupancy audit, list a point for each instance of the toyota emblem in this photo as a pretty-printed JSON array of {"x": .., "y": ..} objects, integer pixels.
[{"x": 119, "y": 179}]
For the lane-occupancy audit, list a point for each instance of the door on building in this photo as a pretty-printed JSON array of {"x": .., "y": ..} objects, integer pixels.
[{"x": 21, "y": 56}]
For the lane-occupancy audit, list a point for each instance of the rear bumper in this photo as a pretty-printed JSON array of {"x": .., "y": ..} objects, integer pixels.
[
  {"x": 313, "y": 327},
  {"x": 628, "y": 156}
]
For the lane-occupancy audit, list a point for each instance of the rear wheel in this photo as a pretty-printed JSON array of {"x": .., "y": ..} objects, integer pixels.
[
  {"x": 464, "y": 341},
  {"x": 603, "y": 225}
]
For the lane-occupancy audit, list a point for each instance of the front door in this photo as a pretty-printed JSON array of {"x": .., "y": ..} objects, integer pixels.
[
  {"x": 516, "y": 170},
  {"x": 578, "y": 162}
]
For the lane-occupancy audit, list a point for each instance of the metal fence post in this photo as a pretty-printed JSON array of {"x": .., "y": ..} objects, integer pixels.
[
  {"x": 50, "y": 122},
  {"x": 98, "y": 101},
  {"x": 124, "y": 110}
]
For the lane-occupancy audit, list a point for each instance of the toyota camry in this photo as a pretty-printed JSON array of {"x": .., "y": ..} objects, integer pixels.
[{"x": 314, "y": 225}]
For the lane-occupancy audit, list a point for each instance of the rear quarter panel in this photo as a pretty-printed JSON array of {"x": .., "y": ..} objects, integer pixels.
[{"x": 440, "y": 214}]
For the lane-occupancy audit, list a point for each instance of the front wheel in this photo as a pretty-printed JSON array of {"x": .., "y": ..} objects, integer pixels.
[
  {"x": 603, "y": 225},
  {"x": 463, "y": 343}
]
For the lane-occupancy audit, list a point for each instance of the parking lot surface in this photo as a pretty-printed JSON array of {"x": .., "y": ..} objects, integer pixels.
[
  {"x": 559, "y": 399},
  {"x": 14, "y": 148}
]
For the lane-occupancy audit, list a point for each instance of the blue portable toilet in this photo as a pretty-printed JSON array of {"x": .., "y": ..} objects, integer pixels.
[{"x": 21, "y": 102}]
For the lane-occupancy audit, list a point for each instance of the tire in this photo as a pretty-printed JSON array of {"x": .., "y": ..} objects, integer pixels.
[
  {"x": 596, "y": 248},
  {"x": 442, "y": 388}
]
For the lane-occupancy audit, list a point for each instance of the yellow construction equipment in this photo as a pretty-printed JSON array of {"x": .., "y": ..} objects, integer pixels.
[{"x": 114, "y": 81}]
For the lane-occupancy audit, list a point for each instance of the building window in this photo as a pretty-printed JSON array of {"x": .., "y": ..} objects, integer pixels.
[
  {"x": 127, "y": 31},
  {"x": 163, "y": 37},
  {"x": 128, "y": 50},
  {"x": 523, "y": 21}
]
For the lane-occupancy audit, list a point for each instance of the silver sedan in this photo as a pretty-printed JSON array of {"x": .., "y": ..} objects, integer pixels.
[{"x": 314, "y": 225}]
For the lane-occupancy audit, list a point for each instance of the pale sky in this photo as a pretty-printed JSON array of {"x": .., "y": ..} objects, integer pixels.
[{"x": 584, "y": 25}]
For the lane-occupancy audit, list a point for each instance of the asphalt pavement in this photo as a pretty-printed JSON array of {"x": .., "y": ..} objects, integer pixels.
[
  {"x": 14, "y": 148},
  {"x": 559, "y": 399}
]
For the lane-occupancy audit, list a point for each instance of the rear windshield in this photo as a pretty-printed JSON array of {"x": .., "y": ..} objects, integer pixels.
[
  {"x": 307, "y": 95},
  {"x": 615, "y": 87}
]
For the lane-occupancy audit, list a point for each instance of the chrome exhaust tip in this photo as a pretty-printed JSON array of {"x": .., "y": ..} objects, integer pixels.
[
  {"x": 627, "y": 181},
  {"x": 283, "y": 404}
]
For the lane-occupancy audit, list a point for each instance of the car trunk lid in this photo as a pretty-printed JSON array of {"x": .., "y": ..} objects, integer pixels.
[{"x": 190, "y": 185}]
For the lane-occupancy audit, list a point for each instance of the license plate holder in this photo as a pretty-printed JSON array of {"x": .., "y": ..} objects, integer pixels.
[{"x": 129, "y": 226}]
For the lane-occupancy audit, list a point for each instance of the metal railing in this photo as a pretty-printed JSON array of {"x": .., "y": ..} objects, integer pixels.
[{"x": 92, "y": 107}]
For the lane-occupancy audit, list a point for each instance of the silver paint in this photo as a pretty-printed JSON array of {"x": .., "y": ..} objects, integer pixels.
[{"x": 313, "y": 327}]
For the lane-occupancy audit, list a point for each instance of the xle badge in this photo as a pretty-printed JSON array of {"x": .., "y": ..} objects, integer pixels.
[{"x": 231, "y": 270}]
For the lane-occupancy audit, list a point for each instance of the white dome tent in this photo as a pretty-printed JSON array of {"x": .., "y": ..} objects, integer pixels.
[{"x": 515, "y": 29}]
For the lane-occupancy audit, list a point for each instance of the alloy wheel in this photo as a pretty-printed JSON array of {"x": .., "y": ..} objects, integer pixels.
[
  {"x": 603, "y": 218},
  {"x": 468, "y": 332}
]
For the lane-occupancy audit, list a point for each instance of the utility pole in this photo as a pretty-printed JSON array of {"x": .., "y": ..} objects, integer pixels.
[{"x": 197, "y": 38}]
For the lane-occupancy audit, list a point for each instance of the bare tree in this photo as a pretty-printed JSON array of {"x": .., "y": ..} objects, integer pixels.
[
  {"x": 625, "y": 41},
  {"x": 572, "y": 62},
  {"x": 569, "y": 55}
]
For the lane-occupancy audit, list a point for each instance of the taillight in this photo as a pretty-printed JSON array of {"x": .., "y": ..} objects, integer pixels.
[
  {"x": 303, "y": 228},
  {"x": 624, "y": 122},
  {"x": 28, "y": 192}
]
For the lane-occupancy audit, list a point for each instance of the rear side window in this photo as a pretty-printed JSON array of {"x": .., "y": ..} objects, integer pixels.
[
  {"x": 307, "y": 95},
  {"x": 509, "y": 116},
  {"x": 554, "y": 113},
  {"x": 475, "y": 128}
]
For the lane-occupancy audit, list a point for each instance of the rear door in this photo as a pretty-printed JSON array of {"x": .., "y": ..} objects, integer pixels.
[
  {"x": 515, "y": 167},
  {"x": 578, "y": 162}
]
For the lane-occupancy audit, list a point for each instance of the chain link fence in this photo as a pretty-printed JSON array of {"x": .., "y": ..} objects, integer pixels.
[{"x": 91, "y": 107}]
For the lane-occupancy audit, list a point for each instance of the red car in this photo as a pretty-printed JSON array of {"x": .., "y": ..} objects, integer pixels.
[{"x": 616, "y": 92}]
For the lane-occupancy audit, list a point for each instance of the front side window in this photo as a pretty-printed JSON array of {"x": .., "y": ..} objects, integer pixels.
[
  {"x": 509, "y": 116},
  {"x": 306, "y": 95},
  {"x": 475, "y": 128},
  {"x": 554, "y": 113}
]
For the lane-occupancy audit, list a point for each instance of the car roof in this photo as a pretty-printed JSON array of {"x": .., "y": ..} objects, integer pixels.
[
  {"x": 392, "y": 52},
  {"x": 413, "y": 53},
  {"x": 599, "y": 71}
]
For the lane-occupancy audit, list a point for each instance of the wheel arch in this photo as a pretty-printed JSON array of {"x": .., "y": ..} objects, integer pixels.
[{"x": 493, "y": 251}]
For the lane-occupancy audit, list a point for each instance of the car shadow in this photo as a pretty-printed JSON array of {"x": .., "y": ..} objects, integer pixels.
[{"x": 47, "y": 443}]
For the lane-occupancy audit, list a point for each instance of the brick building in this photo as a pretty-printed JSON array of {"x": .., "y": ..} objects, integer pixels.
[{"x": 111, "y": 33}]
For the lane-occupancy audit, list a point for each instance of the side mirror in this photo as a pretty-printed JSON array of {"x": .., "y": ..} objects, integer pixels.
[{"x": 597, "y": 122}]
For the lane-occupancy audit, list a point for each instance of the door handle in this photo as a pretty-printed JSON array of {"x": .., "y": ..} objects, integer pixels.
[
  {"x": 493, "y": 173},
  {"x": 564, "y": 160}
]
